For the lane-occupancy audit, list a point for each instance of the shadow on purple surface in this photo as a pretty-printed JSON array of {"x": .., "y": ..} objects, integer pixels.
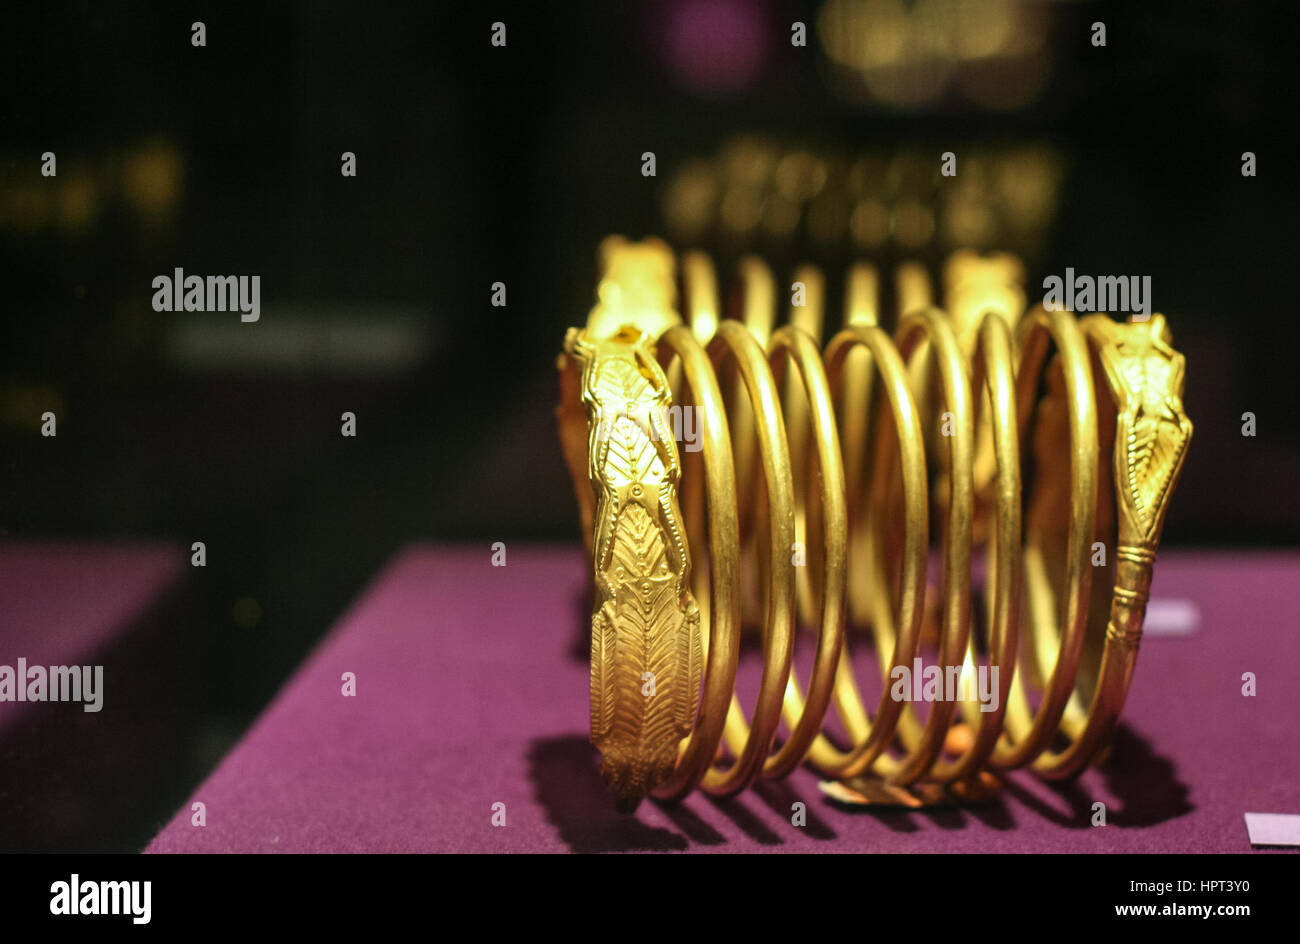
[
  {"x": 1146, "y": 784},
  {"x": 567, "y": 783},
  {"x": 780, "y": 799},
  {"x": 565, "y": 772},
  {"x": 579, "y": 648}
]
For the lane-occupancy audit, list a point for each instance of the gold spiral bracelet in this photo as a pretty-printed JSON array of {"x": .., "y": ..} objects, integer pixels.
[{"x": 808, "y": 505}]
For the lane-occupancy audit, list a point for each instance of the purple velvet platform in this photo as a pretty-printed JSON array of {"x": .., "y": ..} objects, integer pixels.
[{"x": 471, "y": 690}]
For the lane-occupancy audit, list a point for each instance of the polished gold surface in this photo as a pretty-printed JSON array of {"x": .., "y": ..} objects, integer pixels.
[
  {"x": 807, "y": 504},
  {"x": 645, "y": 640}
]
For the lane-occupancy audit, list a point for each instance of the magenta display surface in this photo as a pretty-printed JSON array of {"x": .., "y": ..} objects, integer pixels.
[{"x": 471, "y": 690}]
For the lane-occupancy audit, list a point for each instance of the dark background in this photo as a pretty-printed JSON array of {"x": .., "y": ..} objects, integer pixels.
[{"x": 479, "y": 164}]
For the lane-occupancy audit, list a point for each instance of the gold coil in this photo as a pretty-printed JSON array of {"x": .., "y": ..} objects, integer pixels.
[{"x": 1045, "y": 445}]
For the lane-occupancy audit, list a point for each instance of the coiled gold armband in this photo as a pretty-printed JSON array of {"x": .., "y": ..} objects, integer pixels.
[{"x": 1043, "y": 446}]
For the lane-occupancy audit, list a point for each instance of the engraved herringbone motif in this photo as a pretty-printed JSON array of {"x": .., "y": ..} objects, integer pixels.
[
  {"x": 645, "y": 648},
  {"x": 1153, "y": 429},
  {"x": 647, "y": 636}
]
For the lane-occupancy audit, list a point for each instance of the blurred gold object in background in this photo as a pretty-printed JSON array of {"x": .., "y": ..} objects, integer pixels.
[
  {"x": 148, "y": 180},
  {"x": 756, "y": 192},
  {"x": 994, "y": 53}
]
